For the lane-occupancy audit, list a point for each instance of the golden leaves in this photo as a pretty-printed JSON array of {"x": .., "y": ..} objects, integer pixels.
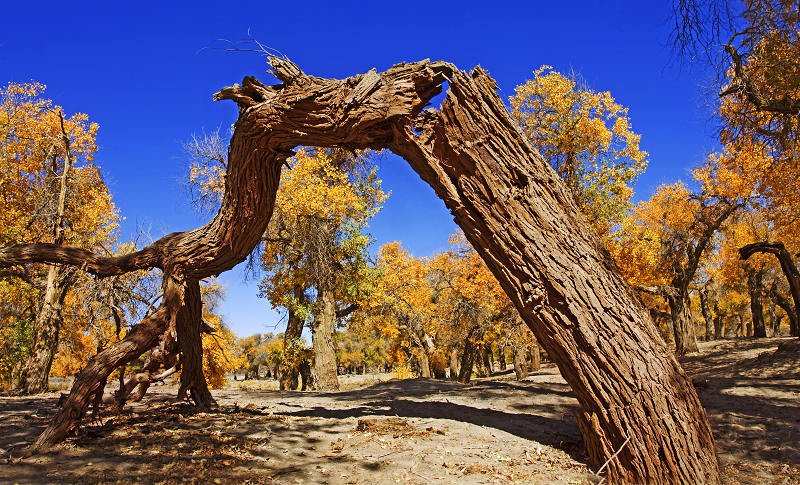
[{"x": 587, "y": 138}]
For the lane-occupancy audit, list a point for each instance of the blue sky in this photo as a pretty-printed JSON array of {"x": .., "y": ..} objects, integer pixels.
[{"x": 141, "y": 71}]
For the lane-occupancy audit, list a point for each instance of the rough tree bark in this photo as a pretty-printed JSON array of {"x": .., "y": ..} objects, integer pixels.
[
  {"x": 323, "y": 373},
  {"x": 46, "y": 327},
  {"x": 682, "y": 323},
  {"x": 188, "y": 323},
  {"x": 719, "y": 322},
  {"x": 514, "y": 210},
  {"x": 535, "y": 362},
  {"x": 755, "y": 284},
  {"x": 520, "y": 365},
  {"x": 789, "y": 268},
  {"x": 165, "y": 356},
  {"x": 467, "y": 362}
]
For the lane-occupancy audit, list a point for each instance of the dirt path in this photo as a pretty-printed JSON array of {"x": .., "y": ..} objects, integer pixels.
[{"x": 405, "y": 431}]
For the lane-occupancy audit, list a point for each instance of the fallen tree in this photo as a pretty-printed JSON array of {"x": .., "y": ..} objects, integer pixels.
[{"x": 641, "y": 419}]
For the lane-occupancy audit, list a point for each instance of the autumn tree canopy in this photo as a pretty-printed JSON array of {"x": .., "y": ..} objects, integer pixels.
[
  {"x": 586, "y": 136},
  {"x": 50, "y": 192}
]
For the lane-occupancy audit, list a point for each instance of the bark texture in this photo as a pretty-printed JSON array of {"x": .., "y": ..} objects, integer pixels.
[
  {"x": 289, "y": 366},
  {"x": 682, "y": 323},
  {"x": 535, "y": 362},
  {"x": 188, "y": 323},
  {"x": 705, "y": 308},
  {"x": 514, "y": 210},
  {"x": 46, "y": 327},
  {"x": 520, "y": 365},
  {"x": 454, "y": 363},
  {"x": 467, "y": 362},
  {"x": 324, "y": 375}
]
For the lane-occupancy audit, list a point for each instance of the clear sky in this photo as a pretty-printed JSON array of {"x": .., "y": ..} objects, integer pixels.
[{"x": 140, "y": 70}]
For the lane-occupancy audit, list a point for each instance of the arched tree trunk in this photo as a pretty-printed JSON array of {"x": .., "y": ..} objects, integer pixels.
[
  {"x": 789, "y": 268},
  {"x": 322, "y": 330},
  {"x": 635, "y": 398}
]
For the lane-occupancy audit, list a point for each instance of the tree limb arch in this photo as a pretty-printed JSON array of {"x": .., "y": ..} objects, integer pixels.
[
  {"x": 93, "y": 263},
  {"x": 514, "y": 210}
]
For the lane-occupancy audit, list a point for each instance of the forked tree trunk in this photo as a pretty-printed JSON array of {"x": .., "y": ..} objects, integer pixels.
[
  {"x": 46, "y": 327},
  {"x": 322, "y": 330},
  {"x": 635, "y": 398}
]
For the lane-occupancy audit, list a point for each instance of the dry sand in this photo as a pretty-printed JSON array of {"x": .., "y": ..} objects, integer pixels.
[{"x": 495, "y": 430}]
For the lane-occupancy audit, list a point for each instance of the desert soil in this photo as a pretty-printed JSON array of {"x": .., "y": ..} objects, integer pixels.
[{"x": 495, "y": 430}]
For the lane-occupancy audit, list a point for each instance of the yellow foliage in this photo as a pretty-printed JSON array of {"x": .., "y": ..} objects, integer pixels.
[{"x": 587, "y": 138}]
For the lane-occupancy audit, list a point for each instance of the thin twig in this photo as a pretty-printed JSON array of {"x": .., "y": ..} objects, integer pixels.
[
  {"x": 390, "y": 453},
  {"x": 611, "y": 458},
  {"x": 421, "y": 476}
]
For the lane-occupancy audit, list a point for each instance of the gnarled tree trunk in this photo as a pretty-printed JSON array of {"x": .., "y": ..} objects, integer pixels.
[
  {"x": 789, "y": 268},
  {"x": 189, "y": 321},
  {"x": 513, "y": 208}
]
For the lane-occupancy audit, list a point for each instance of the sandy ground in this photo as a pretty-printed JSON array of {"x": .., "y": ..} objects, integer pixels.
[{"x": 421, "y": 431}]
